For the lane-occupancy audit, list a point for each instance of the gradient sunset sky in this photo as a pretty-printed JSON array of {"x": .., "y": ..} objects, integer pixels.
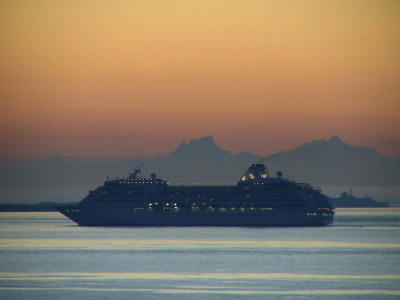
[{"x": 126, "y": 77}]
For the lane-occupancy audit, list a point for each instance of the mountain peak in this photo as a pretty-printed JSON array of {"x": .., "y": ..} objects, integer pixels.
[
  {"x": 203, "y": 147},
  {"x": 335, "y": 139},
  {"x": 333, "y": 148},
  {"x": 204, "y": 139}
]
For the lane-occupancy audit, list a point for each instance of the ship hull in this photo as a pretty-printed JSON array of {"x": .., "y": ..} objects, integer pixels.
[{"x": 125, "y": 217}]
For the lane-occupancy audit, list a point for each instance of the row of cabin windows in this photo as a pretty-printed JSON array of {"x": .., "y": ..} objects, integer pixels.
[
  {"x": 219, "y": 202},
  {"x": 208, "y": 209},
  {"x": 230, "y": 210}
]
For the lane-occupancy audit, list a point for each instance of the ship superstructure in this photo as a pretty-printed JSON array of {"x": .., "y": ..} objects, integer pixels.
[{"x": 256, "y": 200}]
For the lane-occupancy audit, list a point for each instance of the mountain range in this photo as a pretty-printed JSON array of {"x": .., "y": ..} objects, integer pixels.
[
  {"x": 321, "y": 162},
  {"x": 200, "y": 161}
]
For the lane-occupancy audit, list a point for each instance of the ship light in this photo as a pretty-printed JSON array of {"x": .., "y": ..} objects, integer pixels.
[
  {"x": 264, "y": 175},
  {"x": 251, "y": 176},
  {"x": 243, "y": 178}
]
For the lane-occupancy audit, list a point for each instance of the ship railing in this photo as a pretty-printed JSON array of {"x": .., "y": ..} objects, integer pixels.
[{"x": 308, "y": 186}]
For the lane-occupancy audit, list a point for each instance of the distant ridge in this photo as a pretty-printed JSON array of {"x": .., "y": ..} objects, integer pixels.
[
  {"x": 199, "y": 150},
  {"x": 200, "y": 161},
  {"x": 333, "y": 161},
  {"x": 321, "y": 162}
]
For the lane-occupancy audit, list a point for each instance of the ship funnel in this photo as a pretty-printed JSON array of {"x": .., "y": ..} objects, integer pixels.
[{"x": 256, "y": 172}]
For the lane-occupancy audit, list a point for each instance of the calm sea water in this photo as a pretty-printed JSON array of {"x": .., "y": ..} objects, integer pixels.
[{"x": 46, "y": 256}]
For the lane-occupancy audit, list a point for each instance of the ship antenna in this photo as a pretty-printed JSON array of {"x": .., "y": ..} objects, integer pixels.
[{"x": 136, "y": 171}]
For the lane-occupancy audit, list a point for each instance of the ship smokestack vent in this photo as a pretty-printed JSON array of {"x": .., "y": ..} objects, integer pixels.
[{"x": 256, "y": 172}]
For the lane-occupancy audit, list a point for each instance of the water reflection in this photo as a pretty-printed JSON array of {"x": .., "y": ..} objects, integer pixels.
[
  {"x": 47, "y": 256},
  {"x": 176, "y": 244}
]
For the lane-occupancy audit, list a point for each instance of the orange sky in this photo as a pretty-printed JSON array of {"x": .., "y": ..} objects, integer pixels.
[{"x": 129, "y": 77}]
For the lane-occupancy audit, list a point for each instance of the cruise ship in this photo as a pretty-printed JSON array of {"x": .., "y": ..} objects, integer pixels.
[{"x": 256, "y": 200}]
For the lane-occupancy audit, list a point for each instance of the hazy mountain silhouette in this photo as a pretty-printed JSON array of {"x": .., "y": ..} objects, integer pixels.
[
  {"x": 199, "y": 150},
  {"x": 320, "y": 162},
  {"x": 200, "y": 161},
  {"x": 334, "y": 162}
]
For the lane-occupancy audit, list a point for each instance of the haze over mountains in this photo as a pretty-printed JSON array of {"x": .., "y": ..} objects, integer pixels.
[
  {"x": 201, "y": 161},
  {"x": 320, "y": 162}
]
